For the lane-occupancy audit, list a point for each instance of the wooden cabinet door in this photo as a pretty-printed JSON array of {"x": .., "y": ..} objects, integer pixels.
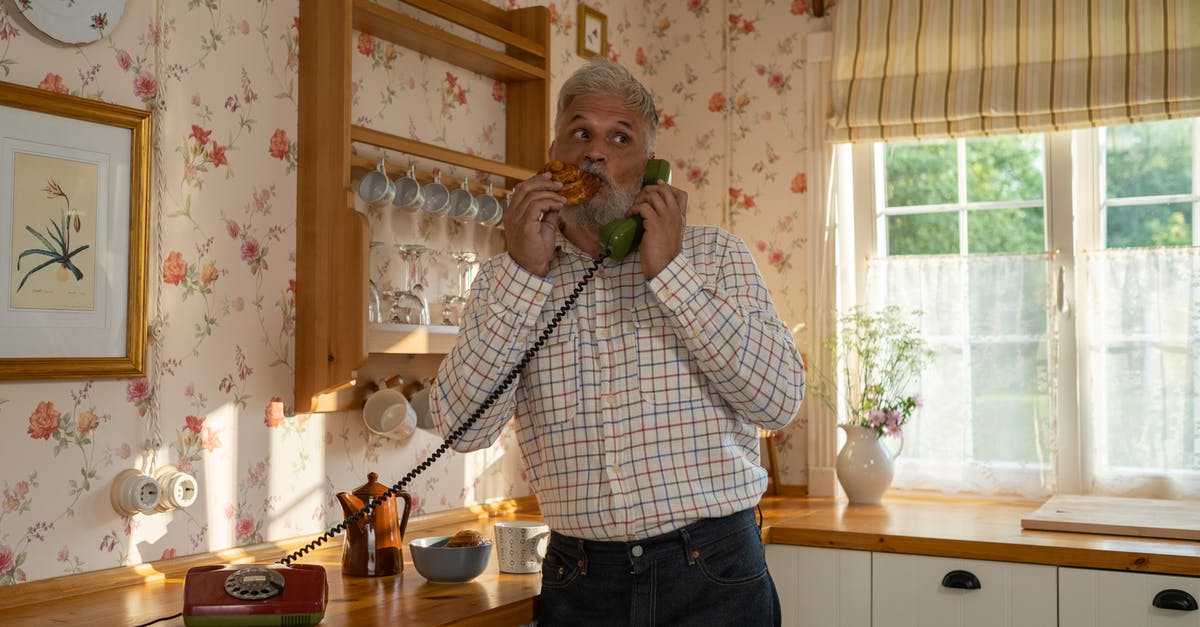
[
  {"x": 1103, "y": 598},
  {"x": 821, "y": 587},
  {"x": 908, "y": 591}
]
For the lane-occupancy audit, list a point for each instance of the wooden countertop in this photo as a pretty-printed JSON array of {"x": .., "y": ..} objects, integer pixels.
[{"x": 988, "y": 529}]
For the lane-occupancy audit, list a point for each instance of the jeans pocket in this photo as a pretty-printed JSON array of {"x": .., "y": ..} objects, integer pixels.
[
  {"x": 558, "y": 568},
  {"x": 736, "y": 559}
]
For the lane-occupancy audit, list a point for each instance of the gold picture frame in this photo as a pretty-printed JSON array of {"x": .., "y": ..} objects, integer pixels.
[
  {"x": 74, "y": 225},
  {"x": 592, "y": 30}
]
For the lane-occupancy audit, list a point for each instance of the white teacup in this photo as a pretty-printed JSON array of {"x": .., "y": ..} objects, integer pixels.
[
  {"x": 462, "y": 203},
  {"x": 521, "y": 545},
  {"x": 389, "y": 414},
  {"x": 436, "y": 196},
  {"x": 408, "y": 191},
  {"x": 375, "y": 188},
  {"x": 487, "y": 208}
]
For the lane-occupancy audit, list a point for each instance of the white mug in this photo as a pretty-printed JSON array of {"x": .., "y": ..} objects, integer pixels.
[
  {"x": 521, "y": 545},
  {"x": 389, "y": 414}
]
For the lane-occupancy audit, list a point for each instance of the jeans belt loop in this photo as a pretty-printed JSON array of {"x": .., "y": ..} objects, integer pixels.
[
  {"x": 690, "y": 552},
  {"x": 583, "y": 560}
]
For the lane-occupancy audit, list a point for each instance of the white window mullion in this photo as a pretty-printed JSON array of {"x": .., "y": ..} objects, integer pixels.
[{"x": 1061, "y": 229}]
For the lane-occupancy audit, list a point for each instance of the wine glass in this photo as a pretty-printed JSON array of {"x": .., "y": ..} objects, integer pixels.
[
  {"x": 466, "y": 262},
  {"x": 408, "y": 305}
]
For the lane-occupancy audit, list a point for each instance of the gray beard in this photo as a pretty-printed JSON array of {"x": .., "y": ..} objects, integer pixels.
[{"x": 592, "y": 215}]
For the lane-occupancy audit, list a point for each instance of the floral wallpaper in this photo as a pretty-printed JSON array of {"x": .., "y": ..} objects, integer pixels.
[{"x": 221, "y": 79}]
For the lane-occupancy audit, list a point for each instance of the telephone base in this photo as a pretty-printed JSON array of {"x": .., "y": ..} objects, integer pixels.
[{"x": 254, "y": 594}]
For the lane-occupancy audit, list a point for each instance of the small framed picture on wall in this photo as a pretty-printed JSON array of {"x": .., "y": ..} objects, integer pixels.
[{"x": 593, "y": 32}]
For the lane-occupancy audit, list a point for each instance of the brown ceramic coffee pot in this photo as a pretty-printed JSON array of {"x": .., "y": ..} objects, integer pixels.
[{"x": 373, "y": 545}]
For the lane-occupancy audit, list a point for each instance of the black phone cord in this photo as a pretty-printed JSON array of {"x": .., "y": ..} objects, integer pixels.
[{"x": 458, "y": 433}]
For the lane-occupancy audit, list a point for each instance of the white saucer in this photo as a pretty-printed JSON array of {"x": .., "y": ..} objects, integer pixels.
[{"x": 73, "y": 21}]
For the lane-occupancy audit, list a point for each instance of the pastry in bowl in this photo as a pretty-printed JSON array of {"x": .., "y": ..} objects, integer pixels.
[
  {"x": 468, "y": 537},
  {"x": 439, "y": 563},
  {"x": 578, "y": 185}
]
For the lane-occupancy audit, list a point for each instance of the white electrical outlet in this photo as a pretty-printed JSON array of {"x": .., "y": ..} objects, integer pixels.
[
  {"x": 179, "y": 489},
  {"x": 134, "y": 492}
]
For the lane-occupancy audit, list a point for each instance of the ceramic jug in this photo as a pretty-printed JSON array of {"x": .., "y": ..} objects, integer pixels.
[{"x": 373, "y": 545}]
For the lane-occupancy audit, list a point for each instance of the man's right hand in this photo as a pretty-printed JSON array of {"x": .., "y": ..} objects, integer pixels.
[{"x": 531, "y": 222}]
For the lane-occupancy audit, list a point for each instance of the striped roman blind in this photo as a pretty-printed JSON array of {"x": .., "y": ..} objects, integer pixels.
[{"x": 920, "y": 69}]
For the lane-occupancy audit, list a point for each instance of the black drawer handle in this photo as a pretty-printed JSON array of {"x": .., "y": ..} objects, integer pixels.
[
  {"x": 1173, "y": 599},
  {"x": 961, "y": 579}
]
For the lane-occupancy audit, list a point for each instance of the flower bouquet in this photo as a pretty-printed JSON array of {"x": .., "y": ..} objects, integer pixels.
[{"x": 877, "y": 354}]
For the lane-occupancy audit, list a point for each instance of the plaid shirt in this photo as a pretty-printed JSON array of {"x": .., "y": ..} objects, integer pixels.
[{"x": 640, "y": 413}]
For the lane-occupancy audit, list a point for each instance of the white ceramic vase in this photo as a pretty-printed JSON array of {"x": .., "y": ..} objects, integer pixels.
[{"x": 864, "y": 465}]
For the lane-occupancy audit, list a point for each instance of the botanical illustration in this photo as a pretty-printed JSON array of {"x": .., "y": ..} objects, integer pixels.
[{"x": 56, "y": 241}]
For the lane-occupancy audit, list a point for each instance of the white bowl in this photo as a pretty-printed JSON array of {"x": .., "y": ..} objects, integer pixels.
[{"x": 441, "y": 564}]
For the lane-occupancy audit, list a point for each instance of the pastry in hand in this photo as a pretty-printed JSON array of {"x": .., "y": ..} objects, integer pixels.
[
  {"x": 468, "y": 537},
  {"x": 578, "y": 185}
]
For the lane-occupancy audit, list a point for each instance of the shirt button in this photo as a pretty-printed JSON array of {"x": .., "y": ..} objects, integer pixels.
[{"x": 636, "y": 550}]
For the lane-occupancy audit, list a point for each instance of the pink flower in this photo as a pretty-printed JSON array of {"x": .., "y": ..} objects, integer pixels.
[
  {"x": 168, "y": 553},
  {"x": 918, "y": 400},
  {"x": 251, "y": 251},
  {"x": 125, "y": 452},
  {"x": 229, "y": 511},
  {"x": 273, "y": 417},
  {"x": 137, "y": 390},
  {"x": 194, "y": 424},
  {"x": 279, "y": 145},
  {"x": 245, "y": 527},
  {"x": 775, "y": 79},
  {"x": 232, "y": 228},
  {"x": 799, "y": 7},
  {"x": 124, "y": 60},
  {"x": 174, "y": 268},
  {"x": 7, "y": 563},
  {"x": 244, "y": 27},
  {"x": 498, "y": 91},
  {"x": 145, "y": 86},
  {"x": 64, "y": 554},
  {"x": 53, "y": 82},
  {"x": 43, "y": 422},
  {"x": 775, "y": 258}
]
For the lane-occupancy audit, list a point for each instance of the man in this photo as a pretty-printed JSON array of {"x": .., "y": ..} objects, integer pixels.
[{"x": 638, "y": 415}]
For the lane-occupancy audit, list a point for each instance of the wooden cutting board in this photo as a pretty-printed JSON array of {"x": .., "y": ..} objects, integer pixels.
[{"x": 1147, "y": 518}]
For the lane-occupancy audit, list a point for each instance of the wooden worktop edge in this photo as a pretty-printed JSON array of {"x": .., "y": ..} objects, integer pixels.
[
  {"x": 160, "y": 570},
  {"x": 1031, "y": 553}
]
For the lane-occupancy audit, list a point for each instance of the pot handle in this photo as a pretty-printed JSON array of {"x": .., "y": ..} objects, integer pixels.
[
  {"x": 900, "y": 436},
  {"x": 407, "y": 509}
]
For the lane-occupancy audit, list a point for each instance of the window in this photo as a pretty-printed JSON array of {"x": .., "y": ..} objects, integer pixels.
[{"x": 1059, "y": 283}]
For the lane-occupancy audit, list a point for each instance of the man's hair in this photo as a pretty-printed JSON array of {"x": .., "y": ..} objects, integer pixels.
[{"x": 604, "y": 77}]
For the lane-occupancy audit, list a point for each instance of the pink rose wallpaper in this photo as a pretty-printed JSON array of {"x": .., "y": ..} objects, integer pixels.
[{"x": 221, "y": 80}]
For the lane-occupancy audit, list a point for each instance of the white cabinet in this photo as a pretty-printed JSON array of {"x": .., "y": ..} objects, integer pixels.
[
  {"x": 921, "y": 591},
  {"x": 1103, "y": 598},
  {"x": 821, "y": 587}
]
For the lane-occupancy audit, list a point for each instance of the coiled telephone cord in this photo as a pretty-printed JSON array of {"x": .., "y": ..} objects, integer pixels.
[{"x": 456, "y": 434}]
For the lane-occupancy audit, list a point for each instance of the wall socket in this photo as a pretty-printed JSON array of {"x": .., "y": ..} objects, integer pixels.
[
  {"x": 134, "y": 492},
  {"x": 179, "y": 489}
]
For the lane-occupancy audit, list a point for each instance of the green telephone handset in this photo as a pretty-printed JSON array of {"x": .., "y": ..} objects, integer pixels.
[{"x": 619, "y": 237}]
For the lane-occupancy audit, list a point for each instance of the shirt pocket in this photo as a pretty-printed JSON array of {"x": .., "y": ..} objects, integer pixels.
[
  {"x": 551, "y": 381},
  {"x": 666, "y": 371}
]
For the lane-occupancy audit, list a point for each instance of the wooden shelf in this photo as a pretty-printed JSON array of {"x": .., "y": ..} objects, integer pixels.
[
  {"x": 411, "y": 339},
  {"x": 336, "y": 352}
]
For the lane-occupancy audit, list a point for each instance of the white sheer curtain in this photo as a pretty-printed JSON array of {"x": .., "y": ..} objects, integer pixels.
[
  {"x": 988, "y": 421},
  {"x": 1141, "y": 311}
]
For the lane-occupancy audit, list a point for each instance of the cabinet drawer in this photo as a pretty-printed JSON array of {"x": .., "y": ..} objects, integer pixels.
[
  {"x": 909, "y": 591},
  {"x": 821, "y": 587},
  {"x": 1103, "y": 598}
]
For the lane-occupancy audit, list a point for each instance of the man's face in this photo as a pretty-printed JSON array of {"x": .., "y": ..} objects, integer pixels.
[{"x": 603, "y": 135}]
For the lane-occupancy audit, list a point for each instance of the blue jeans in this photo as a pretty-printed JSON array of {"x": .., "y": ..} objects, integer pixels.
[{"x": 710, "y": 573}]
